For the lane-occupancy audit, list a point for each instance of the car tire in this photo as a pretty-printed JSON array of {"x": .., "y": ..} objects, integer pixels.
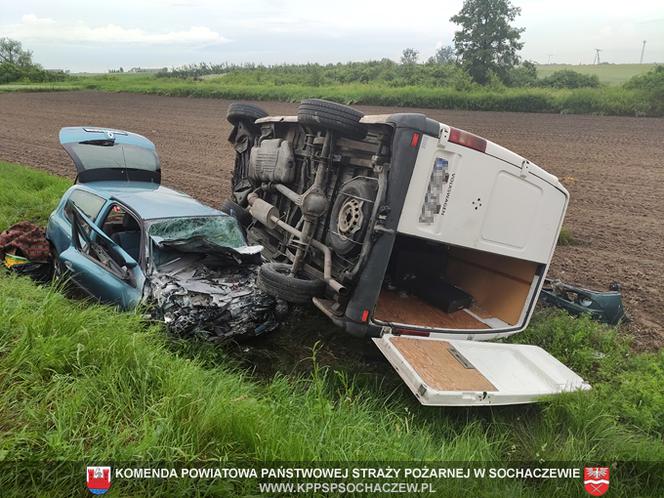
[
  {"x": 276, "y": 280},
  {"x": 244, "y": 112},
  {"x": 233, "y": 209},
  {"x": 350, "y": 216},
  {"x": 323, "y": 114}
]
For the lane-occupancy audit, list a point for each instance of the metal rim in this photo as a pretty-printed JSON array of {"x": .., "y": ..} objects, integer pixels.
[{"x": 350, "y": 217}]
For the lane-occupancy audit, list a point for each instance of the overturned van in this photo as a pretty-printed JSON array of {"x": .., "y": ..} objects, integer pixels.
[{"x": 417, "y": 234}]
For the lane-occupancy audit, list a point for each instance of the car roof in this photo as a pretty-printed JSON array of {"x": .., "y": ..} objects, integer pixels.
[{"x": 150, "y": 201}]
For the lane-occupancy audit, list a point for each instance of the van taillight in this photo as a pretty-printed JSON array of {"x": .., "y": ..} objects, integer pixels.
[{"x": 467, "y": 139}]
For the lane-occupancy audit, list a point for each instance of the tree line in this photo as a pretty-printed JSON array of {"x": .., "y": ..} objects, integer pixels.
[
  {"x": 16, "y": 64},
  {"x": 485, "y": 52}
]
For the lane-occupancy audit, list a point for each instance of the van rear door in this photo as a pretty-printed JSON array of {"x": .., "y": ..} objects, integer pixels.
[{"x": 470, "y": 373}]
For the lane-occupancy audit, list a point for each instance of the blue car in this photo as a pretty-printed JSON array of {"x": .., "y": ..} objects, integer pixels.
[{"x": 124, "y": 239}]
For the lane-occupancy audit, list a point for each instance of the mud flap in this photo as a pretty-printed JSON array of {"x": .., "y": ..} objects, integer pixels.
[{"x": 468, "y": 373}]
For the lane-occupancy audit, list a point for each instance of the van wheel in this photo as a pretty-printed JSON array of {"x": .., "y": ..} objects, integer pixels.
[
  {"x": 242, "y": 111},
  {"x": 350, "y": 216},
  {"x": 276, "y": 280},
  {"x": 323, "y": 114},
  {"x": 233, "y": 209}
]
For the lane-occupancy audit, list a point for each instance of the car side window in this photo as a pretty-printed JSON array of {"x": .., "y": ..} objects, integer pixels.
[
  {"x": 124, "y": 229},
  {"x": 96, "y": 247},
  {"x": 87, "y": 202}
]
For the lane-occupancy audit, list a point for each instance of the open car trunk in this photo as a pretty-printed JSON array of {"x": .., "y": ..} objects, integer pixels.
[
  {"x": 442, "y": 288},
  {"x": 467, "y": 373},
  {"x": 102, "y": 155}
]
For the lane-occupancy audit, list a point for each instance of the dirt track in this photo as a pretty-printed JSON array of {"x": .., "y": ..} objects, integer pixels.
[{"x": 613, "y": 167}]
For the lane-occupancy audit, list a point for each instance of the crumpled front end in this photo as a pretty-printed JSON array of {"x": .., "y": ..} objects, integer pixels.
[{"x": 213, "y": 302}]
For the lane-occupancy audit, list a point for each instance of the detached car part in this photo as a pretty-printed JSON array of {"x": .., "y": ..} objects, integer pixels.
[{"x": 605, "y": 306}]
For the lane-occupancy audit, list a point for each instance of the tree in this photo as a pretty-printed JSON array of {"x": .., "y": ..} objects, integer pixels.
[
  {"x": 409, "y": 56},
  {"x": 487, "y": 41},
  {"x": 16, "y": 64},
  {"x": 444, "y": 55},
  {"x": 11, "y": 52}
]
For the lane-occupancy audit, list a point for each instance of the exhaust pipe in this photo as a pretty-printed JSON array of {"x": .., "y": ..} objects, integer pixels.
[{"x": 268, "y": 215}]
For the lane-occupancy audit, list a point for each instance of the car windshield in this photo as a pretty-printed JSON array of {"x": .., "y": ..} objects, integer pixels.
[
  {"x": 203, "y": 232},
  {"x": 94, "y": 156}
]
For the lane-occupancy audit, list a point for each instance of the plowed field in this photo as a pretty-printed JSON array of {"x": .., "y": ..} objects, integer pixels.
[{"x": 613, "y": 167}]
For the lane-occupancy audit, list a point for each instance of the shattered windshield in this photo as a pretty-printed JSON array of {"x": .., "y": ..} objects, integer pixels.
[
  {"x": 200, "y": 235},
  {"x": 219, "y": 230}
]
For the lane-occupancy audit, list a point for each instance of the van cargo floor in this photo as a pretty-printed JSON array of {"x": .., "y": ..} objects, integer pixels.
[{"x": 395, "y": 308}]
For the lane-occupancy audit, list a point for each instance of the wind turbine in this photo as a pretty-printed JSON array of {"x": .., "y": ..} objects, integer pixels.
[
  {"x": 643, "y": 49},
  {"x": 596, "y": 59},
  {"x": 549, "y": 58}
]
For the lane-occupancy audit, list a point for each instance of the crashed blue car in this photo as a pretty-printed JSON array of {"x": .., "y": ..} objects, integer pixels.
[{"x": 120, "y": 237}]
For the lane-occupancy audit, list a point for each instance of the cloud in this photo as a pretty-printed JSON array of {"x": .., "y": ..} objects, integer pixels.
[
  {"x": 32, "y": 27},
  {"x": 33, "y": 20}
]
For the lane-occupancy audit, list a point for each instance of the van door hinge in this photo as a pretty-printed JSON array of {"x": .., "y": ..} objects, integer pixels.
[
  {"x": 525, "y": 168},
  {"x": 460, "y": 358}
]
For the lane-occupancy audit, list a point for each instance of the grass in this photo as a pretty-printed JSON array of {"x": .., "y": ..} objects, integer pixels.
[
  {"x": 566, "y": 238},
  {"x": 611, "y": 74},
  {"x": 81, "y": 382},
  {"x": 604, "y": 100}
]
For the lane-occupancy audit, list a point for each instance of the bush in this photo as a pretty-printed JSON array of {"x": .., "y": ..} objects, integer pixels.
[
  {"x": 567, "y": 78},
  {"x": 32, "y": 73},
  {"x": 524, "y": 75},
  {"x": 651, "y": 86}
]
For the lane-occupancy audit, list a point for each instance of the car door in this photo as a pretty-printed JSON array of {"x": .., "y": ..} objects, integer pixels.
[
  {"x": 99, "y": 266},
  {"x": 470, "y": 373}
]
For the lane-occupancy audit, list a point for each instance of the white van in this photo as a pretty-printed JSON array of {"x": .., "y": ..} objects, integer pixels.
[{"x": 421, "y": 236}]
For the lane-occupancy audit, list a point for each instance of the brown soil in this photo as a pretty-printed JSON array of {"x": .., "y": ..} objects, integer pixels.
[{"x": 612, "y": 166}]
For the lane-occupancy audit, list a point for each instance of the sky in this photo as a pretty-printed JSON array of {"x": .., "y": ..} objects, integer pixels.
[{"x": 81, "y": 35}]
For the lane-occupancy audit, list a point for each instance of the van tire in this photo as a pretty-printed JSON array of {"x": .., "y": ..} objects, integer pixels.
[
  {"x": 245, "y": 112},
  {"x": 276, "y": 280},
  {"x": 326, "y": 115}
]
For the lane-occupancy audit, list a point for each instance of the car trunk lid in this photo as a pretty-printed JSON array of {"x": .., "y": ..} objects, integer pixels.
[
  {"x": 469, "y": 373},
  {"x": 101, "y": 154}
]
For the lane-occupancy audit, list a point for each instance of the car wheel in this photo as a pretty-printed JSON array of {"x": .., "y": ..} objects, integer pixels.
[
  {"x": 276, "y": 280},
  {"x": 242, "y": 111},
  {"x": 350, "y": 216},
  {"x": 323, "y": 114},
  {"x": 233, "y": 209}
]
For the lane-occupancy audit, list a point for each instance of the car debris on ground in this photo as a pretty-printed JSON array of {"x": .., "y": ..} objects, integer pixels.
[
  {"x": 25, "y": 250},
  {"x": 606, "y": 307}
]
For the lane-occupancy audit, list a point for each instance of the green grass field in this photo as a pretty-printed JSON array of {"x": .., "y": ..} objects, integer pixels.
[
  {"x": 606, "y": 100},
  {"x": 611, "y": 74},
  {"x": 81, "y": 382}
]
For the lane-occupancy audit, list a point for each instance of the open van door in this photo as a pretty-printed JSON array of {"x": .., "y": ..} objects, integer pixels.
[
  {"x": 470, "y": 373},
  {"x": 101, "y": 154}
]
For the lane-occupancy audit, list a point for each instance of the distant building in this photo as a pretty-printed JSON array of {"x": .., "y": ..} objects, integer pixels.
[{"x": 146, "y": 69}]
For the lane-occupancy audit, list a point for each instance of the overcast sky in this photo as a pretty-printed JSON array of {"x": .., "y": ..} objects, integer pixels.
[{"x": 84, "y": 35}]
